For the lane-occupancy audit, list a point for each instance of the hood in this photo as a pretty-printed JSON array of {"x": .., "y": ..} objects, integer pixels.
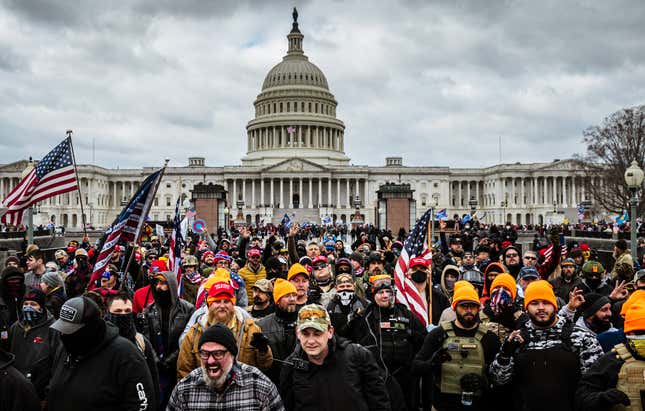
[
  {"x": 6, "y": 359},
  {"x": 489, "y": 267},
  {"x": 172, "y": 285},
  {"x": 448, "y": 267}
]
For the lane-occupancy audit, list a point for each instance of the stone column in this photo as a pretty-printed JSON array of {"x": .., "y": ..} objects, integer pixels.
[
  {"x": 329, "y": 191},
  {"x": 291, "y": 193},
  {"x": 555, "y": 198},
  {"x": 253, "y": 193},
  {"x": 319, "y": 191},
  {"x": 564, "y": 192},
  {"x": 337, "y": 193},
  {"x": 281, "y": 192},
  {"x": 311, "y": 203},
  {"x": 301, "y": 194},
  {"x": 574, "y": 193},
  {"x": 272, "y": 197},
  {"x": 349, "y": 201},
  {"x": 235, "y": 190},
  {"x": 544, "y": 192},
  {"x": 244, "y": 192},
  {"x": 582, "y": 190},
  {"x": 522, "y": 192},
  {"x": 367, "y": 194},
  {"x": 262, "y": 192}
]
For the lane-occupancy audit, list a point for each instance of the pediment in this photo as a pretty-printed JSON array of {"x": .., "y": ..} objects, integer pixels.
[
  {"x": 18, "y": 166},
  {"x": 294, "y": 165},
  {"x": 562, "y": 165}
]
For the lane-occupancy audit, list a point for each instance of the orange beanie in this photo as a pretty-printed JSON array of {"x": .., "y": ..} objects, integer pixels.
[
  {"x": 464, "y": 293},
  {"x": 507, "y": 281},
  {"x": 281, "y": 288},
  {"x": 539, "y": 290},
  {"x": 638, "y": 295},
  {"x": 635, "y": 317},
  {"x": 462, "y": 283}
]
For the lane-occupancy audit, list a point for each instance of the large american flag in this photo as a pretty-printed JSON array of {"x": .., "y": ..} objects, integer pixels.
[
  {"x": 414, "y": 246},
  {"x": 124, "y": 228},
  {"x": 174, "y": 250},
  {"x": 54, "y": 174}
]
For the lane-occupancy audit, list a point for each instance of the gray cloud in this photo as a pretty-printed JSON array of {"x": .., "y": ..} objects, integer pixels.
[{"x": 436, "y": 82}]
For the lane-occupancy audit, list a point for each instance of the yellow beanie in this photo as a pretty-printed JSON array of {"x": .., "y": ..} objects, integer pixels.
[
  {"x": 635, "y": 317},
  {"x": 464, "y": 293},
  {"x": 638, "y": 295},
  {"x": 462, "y": 283},
  {"x": 296, "y": 269},
  {"x": 221, "y": 275},
  {"x": 281, "y": 288},
  {"x": 539, "y": 290},
  {"x": 507, "y": 281}
]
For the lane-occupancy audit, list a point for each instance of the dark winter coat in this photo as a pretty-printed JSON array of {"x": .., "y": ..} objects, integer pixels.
[
  {"x": 55, "y": 300},
  {"x": 348, "y": 379},
  {"x": 112, "y": 376},
  {"x": 35, "y": 350},
  {"x": 282, "y": 339},
  {"x": 16, "y": 392}
]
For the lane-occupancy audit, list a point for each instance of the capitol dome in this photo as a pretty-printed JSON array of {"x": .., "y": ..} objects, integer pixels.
[{"x": 295, "y": 113}]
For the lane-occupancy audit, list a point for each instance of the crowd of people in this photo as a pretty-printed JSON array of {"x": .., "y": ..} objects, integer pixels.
[{"x": 296, "y": 319}]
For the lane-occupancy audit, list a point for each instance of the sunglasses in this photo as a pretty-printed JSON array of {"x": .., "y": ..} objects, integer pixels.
[
  {"x": 512, "y": 255},
  {"x": 319, "y": 266},
  {"x": 254, "y": 257},
  {"x": 529, "y": 257},
  {"x": 216, "y": 354}
]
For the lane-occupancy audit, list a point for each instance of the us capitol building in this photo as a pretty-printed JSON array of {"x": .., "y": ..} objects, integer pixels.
[{"x": 296, "y": 163}]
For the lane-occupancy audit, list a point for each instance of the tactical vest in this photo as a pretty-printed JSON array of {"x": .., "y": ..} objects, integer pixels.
[
  {"x": 467, "y": 357},
  {"x": 631, "y": 378},
  {"x": 498, "y": 329}
]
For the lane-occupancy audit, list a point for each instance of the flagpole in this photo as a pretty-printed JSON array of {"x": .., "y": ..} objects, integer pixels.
[
  {"x": 430, "y": 234},
  {"x": 144, "y": 215},
  {"x": 78, "y": 183}
]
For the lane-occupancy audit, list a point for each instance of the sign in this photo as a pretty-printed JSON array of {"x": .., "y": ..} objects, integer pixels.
[
  {"x": 553, "y": 218},
  {"x": 199, "y": 226}
]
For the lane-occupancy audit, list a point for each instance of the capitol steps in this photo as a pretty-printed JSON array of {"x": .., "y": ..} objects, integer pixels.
[{"x": 311, "y": 215}]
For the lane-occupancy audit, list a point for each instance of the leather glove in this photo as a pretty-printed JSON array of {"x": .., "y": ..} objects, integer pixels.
[
  {"x": 260, "y": 341},
  {"x": 471, "y": 383},
  {"x": 314, "y": 295},
  {"x": 614, "y": 397},
  {"x": 439, "y": 357},
  {"x": 554, "y": 236}
]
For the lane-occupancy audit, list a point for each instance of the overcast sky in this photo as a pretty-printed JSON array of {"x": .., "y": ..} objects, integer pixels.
[{"x": 435, "y": 82}]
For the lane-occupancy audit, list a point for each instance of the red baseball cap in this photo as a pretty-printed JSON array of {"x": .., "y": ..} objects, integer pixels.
[
  {"x": 416, "y": 261},
  {"x": 254, "y": 251},
  {"x": 319, "y": 259},
  {"x": 221, "y": 290},
  {"x": 158, "y": 266}
]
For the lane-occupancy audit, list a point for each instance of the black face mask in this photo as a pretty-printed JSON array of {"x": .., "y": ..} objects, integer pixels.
[
  {"x": 593, "y": 283},
  {"x": 125, "y": 323},
  {"x": 84, "y": 340},
  {"x": 30, "y": 315},
  {"x": 162, "y": 297},
  {"x": 419, "y": 276}
]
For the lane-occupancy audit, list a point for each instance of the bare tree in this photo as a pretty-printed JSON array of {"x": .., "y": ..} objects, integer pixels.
[{"x": 611, "y": 147}]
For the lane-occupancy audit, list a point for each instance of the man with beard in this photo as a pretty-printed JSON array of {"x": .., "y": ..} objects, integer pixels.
[
  {"x": 191, "y": 279},
  {"x": 615, "y": 381},
  {"x": 97, "y": 369},
  {"x": 456, "y": 252},
  {"x": 567, "y": 280},
  {"x": 546, "y": 357},
  {"x": 435, "y": 300},
  {"x": 253, "y": 270},
  {"x": 511, "y": 260},
  {"x": 279, "y": 327},
  {"x": 323, "y": 279},
  {"x": 592, "y": 279},
  {"x": 594, "y": 315},
  {"x": 253, "y": 345},
  {"x": 393, "y": 334},
  {"x": 500, "y": 313},
  {"x": 262, "y": 304},
  {"x": 347, "y": 372},
  {"x": 457, "y": 354},
  {"x": 208, "y": 260},
  {"x": 221, "y": 382},
  {"x": 119, "y": 313},
  {"x": 165, "y": 320}
]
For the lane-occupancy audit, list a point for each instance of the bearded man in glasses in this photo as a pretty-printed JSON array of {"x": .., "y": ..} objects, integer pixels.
[
  {"x": 321, "y": 359},
  {"x": 220, "y": 382}
]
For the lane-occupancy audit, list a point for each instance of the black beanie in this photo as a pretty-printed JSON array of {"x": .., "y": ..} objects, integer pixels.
[
  {"x": 220, "y": 334},
  {"x": 34, "y": 294},
  {"x": 593, "y": 302}
]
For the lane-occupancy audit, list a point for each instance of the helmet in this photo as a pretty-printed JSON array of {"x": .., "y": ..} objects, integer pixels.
[{"x": 474, "y": 277}]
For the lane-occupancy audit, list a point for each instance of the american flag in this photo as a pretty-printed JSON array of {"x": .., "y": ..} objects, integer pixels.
[
  {"x": 124, "y": 228},
  {"x": 414, "y": 246},
  {"x": 54, "y": 174},
  {"x": 174, "y": 251},
  {"x": 563, "y": 250}
]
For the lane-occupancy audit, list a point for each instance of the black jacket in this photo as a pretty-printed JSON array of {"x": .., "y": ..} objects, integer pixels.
[
  {"x": 112, "y": 376},
  {"x": 348, "y": 379},
  {"x": 180, "y": 312},
  {"x": 16, "y": 391},
  {"x": 34, "y": 351},
  {"x": 282, "y": 339}
]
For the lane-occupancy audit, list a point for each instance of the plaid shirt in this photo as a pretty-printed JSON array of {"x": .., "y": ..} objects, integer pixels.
[{"x": 249, "y": 390}]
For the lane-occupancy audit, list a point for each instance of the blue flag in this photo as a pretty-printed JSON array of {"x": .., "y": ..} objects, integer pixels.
[
  {"x": 286, "y": 221},
  {"x": 441, "y": 214},
  {"x": 466, "y": 219}
]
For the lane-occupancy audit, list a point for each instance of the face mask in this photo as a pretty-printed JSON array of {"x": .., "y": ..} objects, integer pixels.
[
  {"x": 15, "y": 287},
  {"x": 637, "y": 342},
  {"x": 419, "y": 276},
  {"x": 162, "y": 297},
  {"x": 31, "y": 315},
  {"x": 125, "y": 323},
  {"x": 346, "y": 297},
  {"x": 500, "y": 300},
  {"x": 593, "y": 282},
  {"x": 450, "y": 284},
  {"x": 84, "y": 340}
]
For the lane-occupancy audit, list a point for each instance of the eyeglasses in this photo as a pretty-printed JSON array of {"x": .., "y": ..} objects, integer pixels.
[
  {"x": 254, "y": 257},
  {"x": 312, "y": 314},
  {"x": 512, "y": 255},
  {"x": 319, "y": 266},
  {"x": 529, "y": 257},
  {"x": 216, "y": 354}
]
